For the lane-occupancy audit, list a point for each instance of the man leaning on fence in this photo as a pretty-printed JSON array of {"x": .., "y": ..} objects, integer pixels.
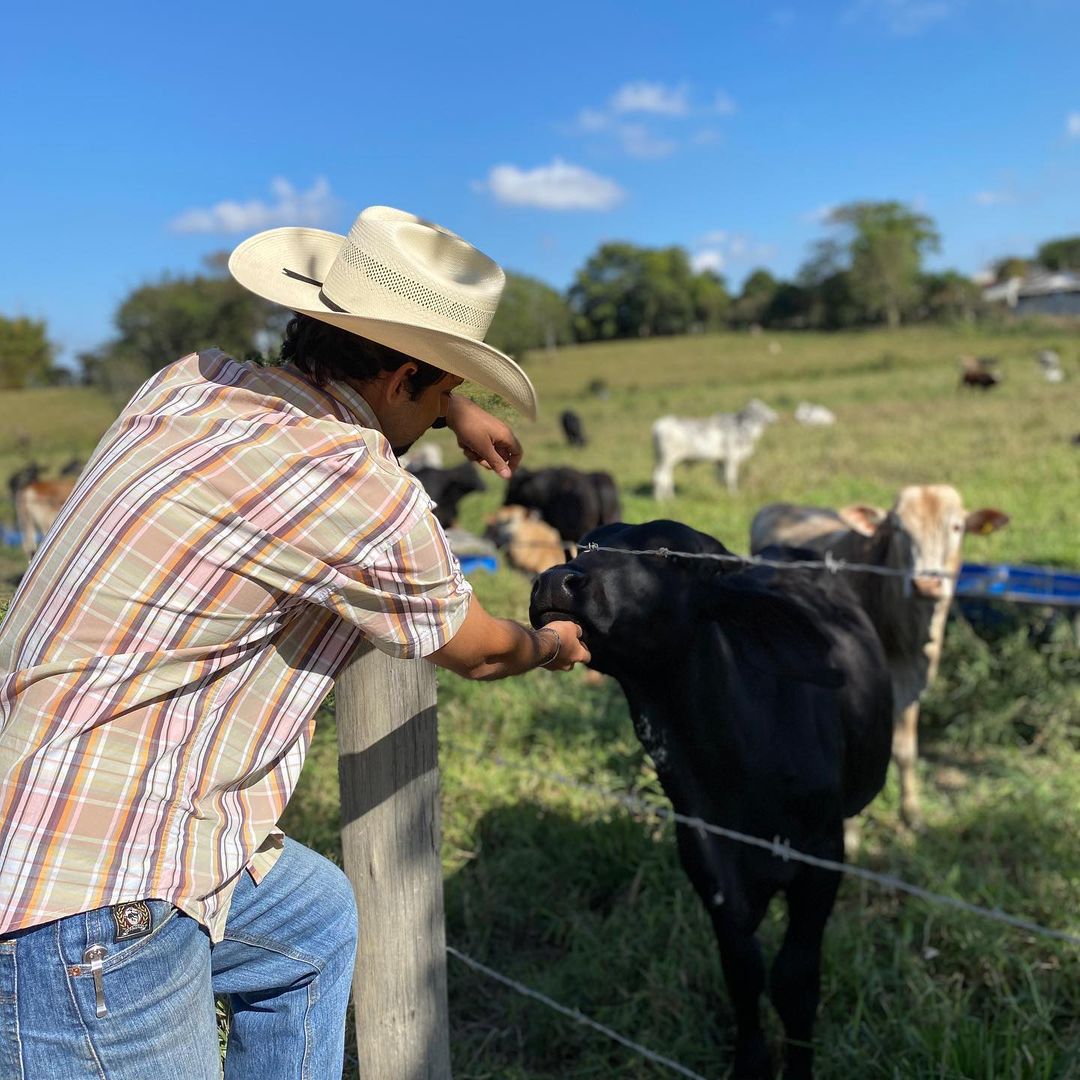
[{"x": 236, "y": 533}]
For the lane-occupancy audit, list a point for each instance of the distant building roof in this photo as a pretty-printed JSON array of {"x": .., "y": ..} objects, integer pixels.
[{"x": 1038, "y": 283}]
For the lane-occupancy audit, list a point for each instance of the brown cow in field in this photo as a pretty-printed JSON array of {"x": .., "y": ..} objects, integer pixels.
[
  {"x": 529, "y": 544},
  {"x": 977, "y": 371},
  {"x": 923, "y": 531},
  {"x": 37, "y": 504}
]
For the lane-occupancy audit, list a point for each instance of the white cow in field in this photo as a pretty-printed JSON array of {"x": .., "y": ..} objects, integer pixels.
[
  {"x": 924, "y": 531},
  {"x": 1050, "y": 364},
  {"x": 425, "y": 455},
  {"x": 814, "y": 415},
  {"x": 726, "y": 438}
]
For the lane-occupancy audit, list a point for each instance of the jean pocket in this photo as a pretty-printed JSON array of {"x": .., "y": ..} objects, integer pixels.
[{"x": 127, "y": 930}]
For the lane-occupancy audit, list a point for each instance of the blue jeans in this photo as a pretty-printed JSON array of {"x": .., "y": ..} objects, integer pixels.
[{"x": 145, "y": 1009}]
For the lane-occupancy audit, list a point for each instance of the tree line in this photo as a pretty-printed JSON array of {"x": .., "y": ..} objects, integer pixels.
[{"x": 867, "y": 271}]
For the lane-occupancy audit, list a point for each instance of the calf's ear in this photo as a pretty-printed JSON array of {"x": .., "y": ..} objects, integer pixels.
[
  {"x": 862, "y": 518},
  {"x": 985, "y": 521},
  {"x": 778, "y": 635}
]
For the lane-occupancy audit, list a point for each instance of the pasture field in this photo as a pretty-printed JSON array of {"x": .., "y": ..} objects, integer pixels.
[{"x": 582, "y": 900}]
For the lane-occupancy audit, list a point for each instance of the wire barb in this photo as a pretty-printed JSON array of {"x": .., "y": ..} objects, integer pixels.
[{"x": 781, "y": 849}]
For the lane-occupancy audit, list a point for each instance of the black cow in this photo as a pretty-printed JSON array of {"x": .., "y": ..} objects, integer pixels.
[
  {"x": 573, "y": 428},
  {"x": 764, "y": 700},
  {"x": 570, "y": 501},
  {"x": 447, "y": 487}
]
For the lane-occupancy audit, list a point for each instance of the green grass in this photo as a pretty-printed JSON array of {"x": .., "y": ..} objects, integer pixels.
[{"x": 585, "y": 902}]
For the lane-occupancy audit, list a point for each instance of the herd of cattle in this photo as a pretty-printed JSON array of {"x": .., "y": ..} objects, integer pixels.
[{"x": 770, "y": 699}]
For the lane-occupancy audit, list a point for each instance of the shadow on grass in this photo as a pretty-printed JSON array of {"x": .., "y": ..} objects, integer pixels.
[{"x": 598, "y": 915}]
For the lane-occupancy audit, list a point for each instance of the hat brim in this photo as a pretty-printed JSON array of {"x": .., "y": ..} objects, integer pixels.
[{"x": 287, "y": 266}]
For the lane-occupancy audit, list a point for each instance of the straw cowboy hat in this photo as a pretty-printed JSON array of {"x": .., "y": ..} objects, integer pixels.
[{"x": 398, "y": 280}]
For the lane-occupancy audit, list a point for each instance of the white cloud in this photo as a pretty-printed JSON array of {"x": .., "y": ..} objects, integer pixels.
[
  {"x": 289, "y": 207},
  {"x": 643, "y": 119},
  {"x": 724, "y": 104},
  {"x": 902, "y": 17},
  {"x": 993, "y": 198},
  {"x": 819, "y": 215},
  {"x": 1072, "y": 125},
  {"x": 558, "y": 186},
  {"x": 711, "y": 239},
  {"x": 718, "y": 248},
  {"x": 590, "y": 120},
  {"x": 709, "y": 259},
  {"x": 649, "y": 97},
  {"x": 638, "y": 141}
]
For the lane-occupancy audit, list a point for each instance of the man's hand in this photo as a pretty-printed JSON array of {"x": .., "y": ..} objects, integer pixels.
[
  {"x": 482, "y": 437},
  {"x": 572, "y": 649}
]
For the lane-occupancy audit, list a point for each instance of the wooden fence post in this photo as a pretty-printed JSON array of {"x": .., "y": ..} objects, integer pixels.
[{"x": 390, "y": 834}]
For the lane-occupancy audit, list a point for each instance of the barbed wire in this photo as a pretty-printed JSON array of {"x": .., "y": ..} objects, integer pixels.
[
  {"x": 778, "y": 847},
  {"x": 828, "y": 563},
  {"x": 574, "y": 1014}
]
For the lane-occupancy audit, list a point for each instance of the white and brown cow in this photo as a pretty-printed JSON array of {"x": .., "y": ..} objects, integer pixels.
[
  {"x": 528, "y": 543},
  {"x": 37, "y": 504},
  {"x": 924, "y": 531}
]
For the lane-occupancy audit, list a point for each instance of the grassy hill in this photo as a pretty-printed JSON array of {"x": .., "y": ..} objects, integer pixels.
[{"x": 585, "y": 902}]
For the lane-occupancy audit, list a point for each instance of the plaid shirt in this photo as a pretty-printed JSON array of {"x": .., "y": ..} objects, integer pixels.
[{"x": 233, "y": 536}]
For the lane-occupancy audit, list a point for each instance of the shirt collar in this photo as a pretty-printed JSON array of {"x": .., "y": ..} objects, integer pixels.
[{"x": 353, "y": 402}]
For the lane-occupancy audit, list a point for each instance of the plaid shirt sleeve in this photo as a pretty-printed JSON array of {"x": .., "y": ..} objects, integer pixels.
[{"x": 410, "y": 597}]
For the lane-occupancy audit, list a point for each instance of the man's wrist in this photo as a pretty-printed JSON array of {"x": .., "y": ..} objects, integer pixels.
[{"x": 558, "y": 645}]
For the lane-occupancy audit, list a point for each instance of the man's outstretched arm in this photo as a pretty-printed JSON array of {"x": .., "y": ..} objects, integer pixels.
[{"x": 489, "y": 648}]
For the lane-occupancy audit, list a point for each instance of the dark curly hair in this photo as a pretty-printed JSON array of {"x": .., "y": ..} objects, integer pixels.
[{"x": 325, "y": 353}]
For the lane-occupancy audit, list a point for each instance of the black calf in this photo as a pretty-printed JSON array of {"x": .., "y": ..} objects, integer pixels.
[
  {"x": 573, "y": 428},
  {"x": 764, "y": 700},
  {"x": 447, "y": 487},
  {"x": 570, "y": 501}
]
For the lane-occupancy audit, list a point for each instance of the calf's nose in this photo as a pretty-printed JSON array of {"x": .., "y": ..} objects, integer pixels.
[{"x": 555, "y": 590}]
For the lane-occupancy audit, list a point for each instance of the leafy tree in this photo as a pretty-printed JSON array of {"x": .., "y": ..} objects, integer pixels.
[
  {"x": 531, "y": 315},
  {"x": 827, "y": 282},
  {"x": 1009, "y": 266},
  {"x": 886, "y": 245},
  {"x": 27, "y": 357},
  {"x": 628, "y": 291},
  {"x": 1061, "y": 254},
  {"x": 950, "y": 296},
  {"x": 753, "y": 301},
  {"x": 160, "y": 322},
  {"x": 710, "y": 299},
  {"x": 790, "y": 307}
]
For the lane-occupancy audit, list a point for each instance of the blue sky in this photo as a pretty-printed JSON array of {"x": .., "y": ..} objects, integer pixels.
[{"x": 140, "y": 138}]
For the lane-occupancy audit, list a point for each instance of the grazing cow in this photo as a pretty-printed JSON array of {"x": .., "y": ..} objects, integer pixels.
[
  {"x": 975, "y": 371},
  {"x": 1050, "y": 364},
  {"x": 924, "y": 531},
  {"x": 814, "y": 415},
  {"x": 572, "y": 501},
  {"x": 425, "y": 455},
  {"x": 528, "y": 543},
  {"x": 37, "y": 505},
  {"x": 447, "y": 487},
  {"x": 763, "y": 698},
  {"x": 573, "y": 428},
  {"x": 726, "y": 438}
]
